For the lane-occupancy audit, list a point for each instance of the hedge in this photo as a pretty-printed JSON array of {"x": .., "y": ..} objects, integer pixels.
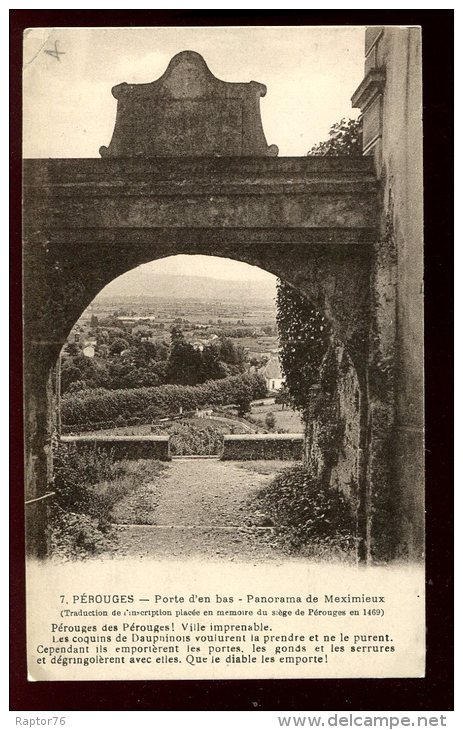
[
  {"x": 100, "y": 405},
  {"x": 246, "y": 447}
]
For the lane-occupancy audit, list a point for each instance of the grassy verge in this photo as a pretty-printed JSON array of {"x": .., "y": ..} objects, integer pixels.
[
  {"x": 92, "y": 492},
  {"x": 264, "y": 467},
  {"x": 139, "y": 493},
  {"x": 309, "y": 519}
]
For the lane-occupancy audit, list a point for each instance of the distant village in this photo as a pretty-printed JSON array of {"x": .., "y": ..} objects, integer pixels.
[{"x": 118, "y": 333}]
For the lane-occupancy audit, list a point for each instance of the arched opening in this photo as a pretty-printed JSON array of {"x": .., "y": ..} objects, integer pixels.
[
  {"x": 72, "y": 255},
  {"x": 121, "y": 386},
  {"x": 218, "y": 307}
]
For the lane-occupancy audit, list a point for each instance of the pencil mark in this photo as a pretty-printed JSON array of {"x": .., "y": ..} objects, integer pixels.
[
  {"x": 55, "y": 53},
  {"x": 39, "y": 51}
]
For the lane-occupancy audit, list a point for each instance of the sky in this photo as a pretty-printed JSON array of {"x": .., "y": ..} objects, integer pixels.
[
  {"x": 69, "y": 111},
  {"x": 310, "y": 74},
  {"x": 197, "y": 265}
]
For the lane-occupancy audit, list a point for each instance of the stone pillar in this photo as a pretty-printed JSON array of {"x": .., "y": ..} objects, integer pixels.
[
  {"x": 389, "y": 98},
  {"x": 38, "y": 428},
  {"x": 41, "y": 346}
]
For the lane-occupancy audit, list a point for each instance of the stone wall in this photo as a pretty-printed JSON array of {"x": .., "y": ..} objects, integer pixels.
[
  {"x": 333, "y": 431},
  {"x": 390, "y": 102},
  {"x": 235, "y": 448},
  {"x": 285, "y": 446},
  {"x": 125, "y": 447}
]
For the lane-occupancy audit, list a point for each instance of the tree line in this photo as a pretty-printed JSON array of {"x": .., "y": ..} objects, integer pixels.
[{"x": 129, "y": 360}]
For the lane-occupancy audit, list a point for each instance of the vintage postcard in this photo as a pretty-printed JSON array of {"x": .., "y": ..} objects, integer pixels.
[{"x": 223, "y": 323}]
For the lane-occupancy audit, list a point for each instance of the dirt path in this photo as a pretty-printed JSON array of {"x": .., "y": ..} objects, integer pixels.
[{"x": 202, "y": 511}]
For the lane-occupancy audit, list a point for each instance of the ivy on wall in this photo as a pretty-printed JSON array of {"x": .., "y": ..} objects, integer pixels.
[
  {"x": 303, "y": 330},
  {"x": 304, "y": 337}
]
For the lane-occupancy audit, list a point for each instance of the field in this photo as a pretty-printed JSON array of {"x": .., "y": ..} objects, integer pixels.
[{"x": 286, "y": 421}]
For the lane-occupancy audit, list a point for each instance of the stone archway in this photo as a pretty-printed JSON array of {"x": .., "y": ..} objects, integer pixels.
[{"x": 160, "y": 191}]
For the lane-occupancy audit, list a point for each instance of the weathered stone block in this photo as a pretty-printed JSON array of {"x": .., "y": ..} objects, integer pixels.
[
  {"x": 283, "y": 446},
  {"x": 188, "y": 112}
]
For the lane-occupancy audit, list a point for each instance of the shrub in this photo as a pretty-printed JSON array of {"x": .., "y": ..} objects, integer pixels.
[
  {"x": 74, "y": 535},
  {"x": 89, "y": 485},
  {"x": 308, "y": 514},
  {"x": 270, "y": 420},
  {"x": 345, "y": 139},
  {"x": 79, "y": 515},
  {"x": 77, "y": 386},
  {"x": 76, "y": 472},
  {"x": 101, "y": 406},
  {"x": 187, "y": 439}
]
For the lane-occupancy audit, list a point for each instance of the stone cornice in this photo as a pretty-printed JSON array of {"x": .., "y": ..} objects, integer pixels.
[
  {"x": 198, "y": 177},
  {"x": 372, "y": 85}
]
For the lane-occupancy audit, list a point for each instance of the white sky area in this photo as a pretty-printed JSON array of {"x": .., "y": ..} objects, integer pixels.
[
  {"x": 69, "y": 111},
  {"x": 218, "y": 268},
  {"x": 193, "y": 265}
]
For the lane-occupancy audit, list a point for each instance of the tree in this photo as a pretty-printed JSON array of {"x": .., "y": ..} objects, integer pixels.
[
  {"x": 102, "y": 351},
  {"x": 244, "y": 400},
  {"x": 211, "y": 366},
  {"x": 70, "y": 373},
  {"x": 118, "y": 345},
  {"x": 283, "y": 397},
  {"x": 102, "y": 336},
  {"x": 183, "y": 363},
  {"x": 231, "y": 354},
  {"x": 345, "y": 140},
  {"x": 72, "y": 349},
  {"x": 145, "y": 352},
  {"x": 82, "y": 369}
]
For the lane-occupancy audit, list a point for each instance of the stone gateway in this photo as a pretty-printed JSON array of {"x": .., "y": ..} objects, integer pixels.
[{"x": 188, "y": 171}]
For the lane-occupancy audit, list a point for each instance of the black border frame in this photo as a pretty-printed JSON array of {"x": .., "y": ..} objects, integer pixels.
[{"x": 434, "y": 691}]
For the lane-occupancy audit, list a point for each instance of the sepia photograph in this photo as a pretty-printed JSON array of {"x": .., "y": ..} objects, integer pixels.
[
  {"x": 224, "y": 337},
  {"x": 223, "y": 312}
]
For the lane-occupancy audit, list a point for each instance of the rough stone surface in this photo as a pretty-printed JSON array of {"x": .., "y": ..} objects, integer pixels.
[
  {"x": 333, "y": 434},
  {"x": 396, "y": 378},
  {"x": 125, "y": 447},
  {"x": 310, "y": 221},
  {"x": 262, "y": 446},
  {"x": 188, "y": 112}
]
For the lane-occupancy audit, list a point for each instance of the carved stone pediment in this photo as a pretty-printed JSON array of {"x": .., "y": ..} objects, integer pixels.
[{"x": 188, "y": 112}]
